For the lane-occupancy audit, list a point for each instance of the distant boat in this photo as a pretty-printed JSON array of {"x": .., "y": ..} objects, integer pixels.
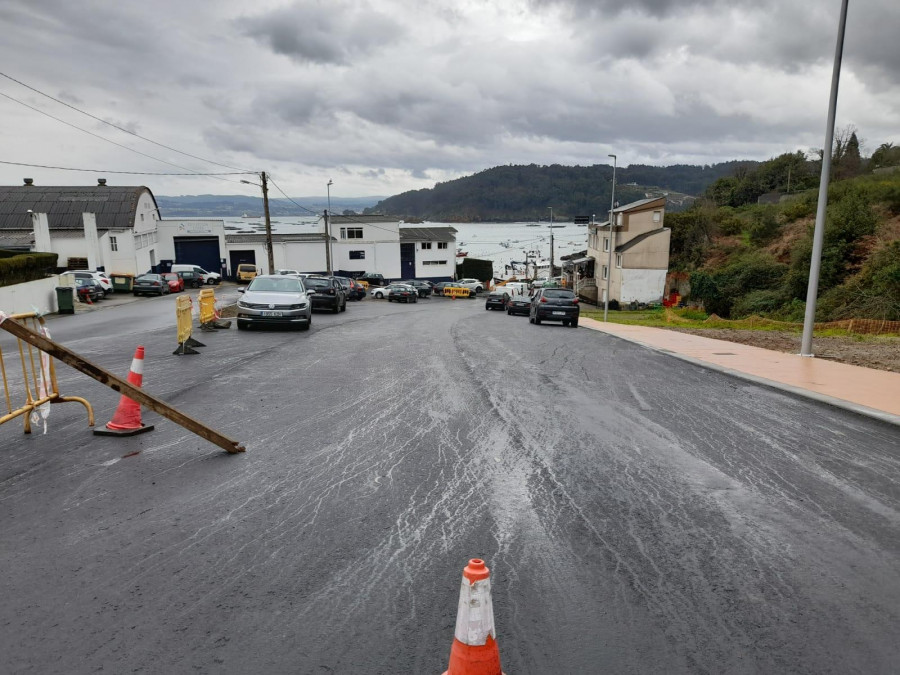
[
  {"x": 462, "y": 254},
  {"x": 555, "y": 226},
  {"x": 533, "y": 225},
  {"x": 247, "y": 215}
]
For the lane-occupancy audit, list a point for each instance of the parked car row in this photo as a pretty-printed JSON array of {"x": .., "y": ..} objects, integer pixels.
[
  {"x": 288, "y": 298},
  {"x": 546, "y": 304}
]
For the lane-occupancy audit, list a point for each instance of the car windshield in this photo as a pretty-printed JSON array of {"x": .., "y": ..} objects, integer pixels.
[
  {"x": 558, "y": 293},
  {"x": 269, "y": 285},
  {"x": 148, "y": 277},
  {"x": 170, "y": 276}
]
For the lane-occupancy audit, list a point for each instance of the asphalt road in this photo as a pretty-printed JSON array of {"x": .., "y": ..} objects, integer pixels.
[{"x": 639, "y": 514}]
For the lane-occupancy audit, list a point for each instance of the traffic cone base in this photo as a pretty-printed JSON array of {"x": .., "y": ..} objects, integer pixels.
[
  {"x": 109, "y": 431},
  {"x": 474, "y": 659},
  {"x": 127, "y": 420}
]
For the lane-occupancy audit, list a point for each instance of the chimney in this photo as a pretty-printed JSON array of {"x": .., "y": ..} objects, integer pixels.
[
  {"x": 101, "y": 181},
  {"x": 29, "y": 181}
]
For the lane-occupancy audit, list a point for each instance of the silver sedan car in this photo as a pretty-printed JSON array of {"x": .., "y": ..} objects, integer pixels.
[{"x": 274, "y": 300}]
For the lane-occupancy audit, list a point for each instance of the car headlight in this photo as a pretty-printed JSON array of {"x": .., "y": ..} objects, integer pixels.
[
  {"x": 243, "y": 304},
  {"x": 302, "y": 305}
]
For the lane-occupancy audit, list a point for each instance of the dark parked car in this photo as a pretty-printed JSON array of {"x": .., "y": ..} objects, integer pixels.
[
  {"x": 191, "y": 279},
  {"x": 554, "y": 304},
  {"x": 519, "y": 304},
  {"x": 150, "y": 284},
  {"x": 423, "y": 287},
  {"x": 496, "y": 300},
  {"x": 352, "y": 289},
  {"x": 325, "y": 292},
  {"x": 88, "y": 289},
  {"x": 373, "y": 279},
  {"x": 402, "y": 292}
]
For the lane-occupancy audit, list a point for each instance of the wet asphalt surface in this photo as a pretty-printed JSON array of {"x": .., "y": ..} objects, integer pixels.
[{"x": 639, "y": 514}]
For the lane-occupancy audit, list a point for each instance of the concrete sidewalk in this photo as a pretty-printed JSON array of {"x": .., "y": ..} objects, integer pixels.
[{"x": 875, "y": 393}]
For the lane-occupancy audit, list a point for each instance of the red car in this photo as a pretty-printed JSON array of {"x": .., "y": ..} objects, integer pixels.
[{"x": 176, "y": 283}]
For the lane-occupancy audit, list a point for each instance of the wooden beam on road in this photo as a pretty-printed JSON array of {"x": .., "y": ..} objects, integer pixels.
[{"x": 116, "y": 383}]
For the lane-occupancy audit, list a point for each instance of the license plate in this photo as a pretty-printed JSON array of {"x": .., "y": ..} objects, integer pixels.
[
  {"x": 559, "y": 313},
  {"x": 272, "y": 314}
]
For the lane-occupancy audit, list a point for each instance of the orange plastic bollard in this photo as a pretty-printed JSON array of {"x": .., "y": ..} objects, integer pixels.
[
  {"x": 475, "y": 650},
  {"x": 127, "y": 420}
]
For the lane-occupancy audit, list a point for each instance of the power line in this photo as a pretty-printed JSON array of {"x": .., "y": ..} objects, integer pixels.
[
  {"x": 116, "y": 126},
  {"x": 125, "y": 147},
  {"x": 131, "y": 173}
]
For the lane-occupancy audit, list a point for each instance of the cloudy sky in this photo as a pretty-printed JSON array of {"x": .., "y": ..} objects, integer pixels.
[{"x": 383, "y": 96}]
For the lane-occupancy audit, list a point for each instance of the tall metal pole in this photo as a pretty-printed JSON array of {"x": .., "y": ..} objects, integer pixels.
[
  {"x": 328, "y": 229},
  {"x": 265, "y": 189},
  {"x": 815, "y": 264},
  {"x": 612, "y": 216},
  {"x": 550, "y": 272}
]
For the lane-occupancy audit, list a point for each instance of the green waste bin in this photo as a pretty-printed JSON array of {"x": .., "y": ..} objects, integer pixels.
[
  {"x": 65, "y": 299},
  {"x": 122, "y": 282}
]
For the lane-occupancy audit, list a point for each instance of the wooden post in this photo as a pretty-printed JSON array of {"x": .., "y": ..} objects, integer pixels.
[{"x": 116, "y": 383}]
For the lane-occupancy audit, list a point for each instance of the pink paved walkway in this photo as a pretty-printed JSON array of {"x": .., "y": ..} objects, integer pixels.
[{"x": 875, "y": 390}]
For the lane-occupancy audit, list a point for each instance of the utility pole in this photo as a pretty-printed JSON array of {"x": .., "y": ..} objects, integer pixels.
[
  {"x": 612, "y": 217},
  {"x": 550, "y": 274},
  {"x": 265, "y": 189}
]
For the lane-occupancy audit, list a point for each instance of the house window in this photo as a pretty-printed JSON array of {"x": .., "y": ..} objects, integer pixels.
[
  {"x": 351, "y": 233},
  {"x": 618, "y": 260},
  {"x": 113, "y": 244},
  {"x": 657, "y": 216},
  {"x": 142, "y": 217},
  {"x": 605, "y": 272},
  {"x": 426, "y": 245},
  {"x": 442, "y": 244},
  {"x": 357, "y": 255},
  {"x": 606, "y": 244},
  {"x": 434, "y": 262}
]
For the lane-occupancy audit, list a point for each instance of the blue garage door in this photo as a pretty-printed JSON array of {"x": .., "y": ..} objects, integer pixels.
[
  {"x": 407, "y": 261},
  {"x": 202, "y": 251}
]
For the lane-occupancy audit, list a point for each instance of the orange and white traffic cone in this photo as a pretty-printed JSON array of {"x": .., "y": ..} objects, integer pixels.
[
  {"x": 127, "y": 420},
  {"x": 475, "y": 650}
]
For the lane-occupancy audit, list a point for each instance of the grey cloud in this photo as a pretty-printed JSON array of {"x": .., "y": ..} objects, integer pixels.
[{"x": 324, "y": 33}]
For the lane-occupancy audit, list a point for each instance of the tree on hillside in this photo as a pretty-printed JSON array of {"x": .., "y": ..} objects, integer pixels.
[
  {"x": 846, "y": 161},
  {"x": 886, "y": 155}
]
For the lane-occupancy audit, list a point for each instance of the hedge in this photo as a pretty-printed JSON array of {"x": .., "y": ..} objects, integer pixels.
[{"x": 17, "y": 267}]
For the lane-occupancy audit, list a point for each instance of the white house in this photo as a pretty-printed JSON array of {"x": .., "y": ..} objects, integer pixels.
[
  {"x": 427, "y": 252},
  {"x": 366, "y": 244}
]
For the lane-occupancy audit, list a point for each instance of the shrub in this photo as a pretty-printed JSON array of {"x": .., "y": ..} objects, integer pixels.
[{"x": 24, "y": 267}]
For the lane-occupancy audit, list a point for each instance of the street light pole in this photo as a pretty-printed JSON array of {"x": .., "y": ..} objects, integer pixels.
[
  {"x": 328, "y": 229},
  {"x": 265, "y": 190},
  {"x": 550, "y": 274},
  {"x": 612, "y": 215},
  {"x": 812, "y": 289}
]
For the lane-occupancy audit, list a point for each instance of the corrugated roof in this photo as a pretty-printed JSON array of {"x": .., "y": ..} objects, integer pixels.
[
  {"x": 427, "y": 234},
  {"x": 362, "y": 220},
  {"x": 114, "y": 206}
]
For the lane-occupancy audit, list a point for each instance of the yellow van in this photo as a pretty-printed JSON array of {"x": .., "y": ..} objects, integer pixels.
[{"x": 246, "y": 272}]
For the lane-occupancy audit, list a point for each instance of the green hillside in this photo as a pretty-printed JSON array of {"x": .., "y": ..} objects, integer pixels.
[
  {"x": 524, "y": 193},
  {"x": 753, "y": 259}
]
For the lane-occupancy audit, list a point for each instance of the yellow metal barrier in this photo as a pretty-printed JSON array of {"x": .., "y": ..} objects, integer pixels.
[
  {"x": 184, "y": 321},
  {"x": 209, "y": 317},
  {"x": 38, "y": 377},
  {"x": 207, "y": 299},
  {"x": 457, "y": 292}
]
